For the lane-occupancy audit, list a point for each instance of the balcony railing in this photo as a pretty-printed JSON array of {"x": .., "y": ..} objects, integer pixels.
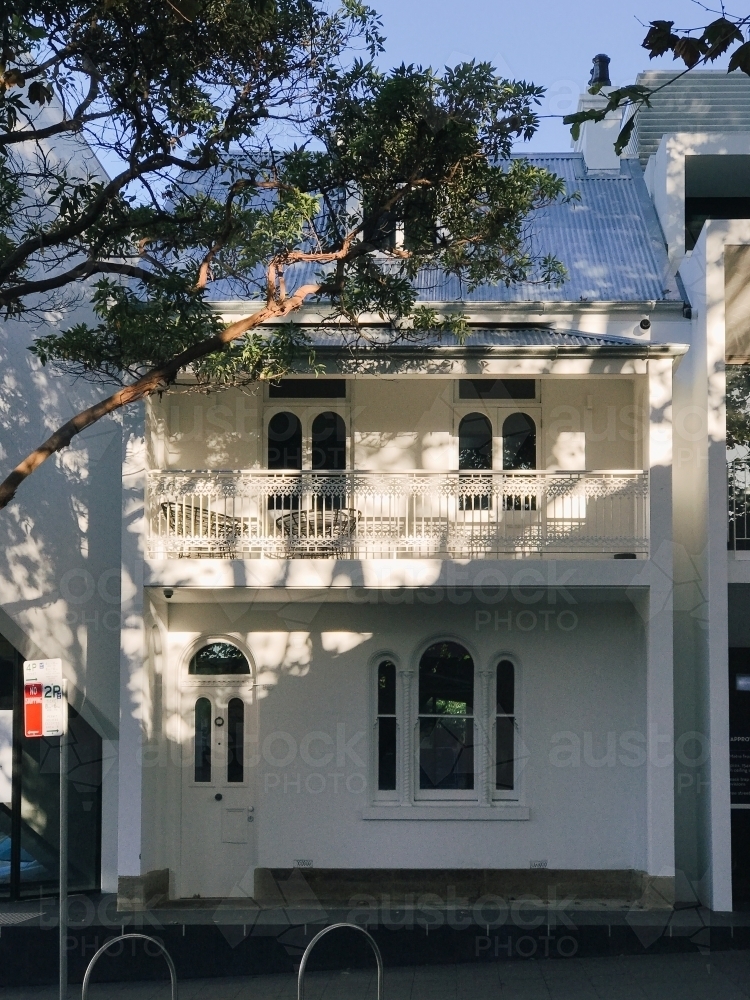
[
  {"x": 376, "y": 515},
  {"x": 738, "y": 495}
]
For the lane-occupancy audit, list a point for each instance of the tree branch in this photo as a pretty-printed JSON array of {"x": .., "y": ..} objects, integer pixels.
[
  {"x": 155, "y": 380},
  {"x": 68, "y": 125},
  {"x": 78, "y": 273}
]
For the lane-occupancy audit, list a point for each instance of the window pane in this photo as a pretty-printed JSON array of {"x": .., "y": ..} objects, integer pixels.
[
  {"x": 387, "y": 688},
  {"x": 387, "y": 755},
  {"x": 284, "y": 442},
  {"x": 446, "y": 680},
  {"x": 235, "y": 740},
  {"x": 475, "y": 442},
  {"x": 505, "y": 688},
  {"x": 219, "y": 658},
  {"x": 203, "y": 740},
  {"x": 446, "y": 753},
  {"x": 308, "y": 388},
  {"x": 500, "y": 388},
  {"x": 519, "y": 442},
  {"x": 505, "y": 740},
  {"x": 328, "y": 442}
]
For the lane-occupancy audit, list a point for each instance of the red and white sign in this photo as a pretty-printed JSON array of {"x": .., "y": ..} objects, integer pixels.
[{"x": 44, "y": 701}]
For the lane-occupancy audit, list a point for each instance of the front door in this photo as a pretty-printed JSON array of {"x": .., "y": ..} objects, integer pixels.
[{"x": 218, "y": 809}]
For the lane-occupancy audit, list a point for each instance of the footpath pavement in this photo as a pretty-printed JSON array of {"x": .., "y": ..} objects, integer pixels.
[{"x": 713, "y": 976}]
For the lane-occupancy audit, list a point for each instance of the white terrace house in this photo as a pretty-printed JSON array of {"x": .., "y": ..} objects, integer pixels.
[
  {"x": 430, "y": 569},
  {"x": 443, "y": 608}
]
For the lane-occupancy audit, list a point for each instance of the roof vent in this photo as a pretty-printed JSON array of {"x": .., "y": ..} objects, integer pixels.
[{"x": 600, "y": 71}]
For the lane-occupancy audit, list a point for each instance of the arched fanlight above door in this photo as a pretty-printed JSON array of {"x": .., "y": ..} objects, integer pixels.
[{"x": 219, "y": 658}]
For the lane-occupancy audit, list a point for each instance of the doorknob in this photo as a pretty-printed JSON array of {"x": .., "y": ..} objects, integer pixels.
[{"x": 218, "y": 796}]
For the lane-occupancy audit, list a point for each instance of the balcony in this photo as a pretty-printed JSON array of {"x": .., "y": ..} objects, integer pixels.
[{"x": 396, "y": 515}]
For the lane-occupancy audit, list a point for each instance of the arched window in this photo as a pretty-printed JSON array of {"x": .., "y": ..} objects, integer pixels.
[
  {"x": 284, "y": 441},
  {"x": 519, "y": 442},
  {"x": 386, "y": 722},
  {"x": 235, "y": 740},
  {"x": 475, "y": 454},
  {"x": 446, "y": 718},
  {"x": 505, "y": 727},
  {"x": 285, "y": 452},
  {"x": 475, "y": 442},
  {"x": 328, "y": 442},
  {"x": 519, "y": 453},
  {"x": 202, "y": 740},
  {"x": 219, "y": 658}
]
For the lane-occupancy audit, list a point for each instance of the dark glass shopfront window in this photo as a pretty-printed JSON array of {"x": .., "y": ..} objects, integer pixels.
[{"x": 29, "y": 797}]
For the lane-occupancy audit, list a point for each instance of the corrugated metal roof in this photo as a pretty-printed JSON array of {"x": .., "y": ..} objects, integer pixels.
[
  {"x": 377, "y": 338},
  {"x": 609, "y": 240},
  {"x": 700, "y": 101}
]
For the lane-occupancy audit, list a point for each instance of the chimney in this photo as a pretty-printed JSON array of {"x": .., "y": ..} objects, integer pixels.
[
  {"x": 600, "y": 71},
  {"x": 597, "y": 139}
]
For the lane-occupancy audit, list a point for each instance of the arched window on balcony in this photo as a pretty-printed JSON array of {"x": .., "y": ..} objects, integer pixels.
[
  {"x": 474, "y": 455},
  {"x": 284, "y": 441},
  {"x": 328, "y": 442},
  {"x": 519, "y": 442},
  {"x": 328, "y": 455},
  {"x": 284, "y": 452},
  {"x": 519, "y": 453}
]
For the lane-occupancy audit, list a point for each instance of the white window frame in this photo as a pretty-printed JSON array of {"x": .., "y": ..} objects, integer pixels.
[
  {"x": 446, "y": 795},
  {"x": 394, "y": 795},
  {"x": 502, "y": 795},
  {"x": 497, "y": 411},
  {"x": 306, "y": 414}
]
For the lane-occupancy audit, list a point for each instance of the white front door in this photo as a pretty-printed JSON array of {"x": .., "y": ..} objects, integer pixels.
[{"x": 218, "y": 807}]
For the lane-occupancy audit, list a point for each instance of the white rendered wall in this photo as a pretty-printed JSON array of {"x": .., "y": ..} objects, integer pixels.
[
  {"x": 398, "y": 424},
  {"x": 582, "y": 712},
  {"x": 665, "y": 177},
  {"x": 702, "y": 544},
  {"x": 59, "y": 557}
]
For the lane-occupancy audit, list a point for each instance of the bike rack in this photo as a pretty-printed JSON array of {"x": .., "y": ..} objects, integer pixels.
[
  {"x": 318, "y": 936},
  {"x": 145, "y": 937}
]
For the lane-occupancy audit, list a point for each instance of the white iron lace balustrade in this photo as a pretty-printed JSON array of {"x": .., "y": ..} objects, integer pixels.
[
  {"x": 376, "y": 515},
  {"x": 380, "y": 515}
]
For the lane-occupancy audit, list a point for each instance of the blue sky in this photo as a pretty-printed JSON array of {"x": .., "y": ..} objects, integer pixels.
[{"x": 549, "y": 42}]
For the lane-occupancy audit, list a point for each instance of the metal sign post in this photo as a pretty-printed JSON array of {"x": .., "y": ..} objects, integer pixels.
[{"x": 45, "y": 713}]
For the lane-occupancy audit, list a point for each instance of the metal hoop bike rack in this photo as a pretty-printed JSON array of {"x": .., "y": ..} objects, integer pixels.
[
  {"x": 124, "y": 937},
  {"x": 318, "y": 936}
]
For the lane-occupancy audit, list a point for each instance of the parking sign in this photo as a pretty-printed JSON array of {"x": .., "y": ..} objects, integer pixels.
[{"x": 44, "y": 702}]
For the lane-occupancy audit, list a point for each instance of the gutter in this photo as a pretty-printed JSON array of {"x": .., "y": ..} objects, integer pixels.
[{"x": 473, "y": 310}]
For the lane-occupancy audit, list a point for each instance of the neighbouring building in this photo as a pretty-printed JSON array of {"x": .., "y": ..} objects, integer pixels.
[{"x": 467, "y": 609}]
